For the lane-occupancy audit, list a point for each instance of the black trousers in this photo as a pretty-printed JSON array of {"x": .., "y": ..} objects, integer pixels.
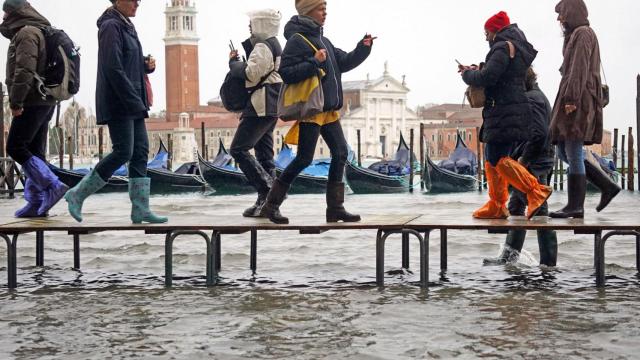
[
  {"x": 130, "y": 143},
  {"x": 28, "y": 133},
  {"x": 256, "y": 133},
  {"x": 309, "y": 133},
  {"x": 547, "y": 239}
]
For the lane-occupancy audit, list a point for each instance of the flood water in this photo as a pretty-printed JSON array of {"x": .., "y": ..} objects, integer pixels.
[{"x": 314, "y": 296}]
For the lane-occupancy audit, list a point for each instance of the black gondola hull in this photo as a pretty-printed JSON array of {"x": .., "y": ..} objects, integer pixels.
[
  {"x": 223, "y": 181},
  {"x": 163, "y": 182},
  {"x": 437, "y": 180},
  {"x": 71, "y": 179},
  {"x": 365, "y": 181}
]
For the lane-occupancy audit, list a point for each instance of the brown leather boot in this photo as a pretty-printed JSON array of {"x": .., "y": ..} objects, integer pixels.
[
  {"x": 335, "y": 204},
  {"x": 271, "y": 207}
]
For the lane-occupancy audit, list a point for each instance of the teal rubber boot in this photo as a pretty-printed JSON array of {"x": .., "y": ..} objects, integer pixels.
[
  {"x": 75, "y": 197},
  {"x": 139, "y": 189}
]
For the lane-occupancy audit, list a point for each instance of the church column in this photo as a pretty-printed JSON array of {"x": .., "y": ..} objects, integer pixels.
[
  {"x": 394, "y": 125},
  {"x": 376, "y": 140}
]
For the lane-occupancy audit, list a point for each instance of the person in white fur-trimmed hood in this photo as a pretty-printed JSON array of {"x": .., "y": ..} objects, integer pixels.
[{"x": 260, "y": 115}]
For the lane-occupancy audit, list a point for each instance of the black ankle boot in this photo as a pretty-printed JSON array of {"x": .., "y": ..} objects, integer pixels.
[
  {"x": 335, "y": 204},
  {"x": 577, "y": 188},
  {"x": 271, "y": 207},
  {"x": 608, "y": 188},
  {"x": 254, "y": 211}
]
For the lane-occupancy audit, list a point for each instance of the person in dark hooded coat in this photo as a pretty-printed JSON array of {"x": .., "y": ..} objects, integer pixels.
[
  {"x": 122, "y": 103},
  {"x": 506, "y": 115},
  {"x": 30, "y": 107},
  {"x": 577, "y": 114},
  {"x": 300, "y": 62}
]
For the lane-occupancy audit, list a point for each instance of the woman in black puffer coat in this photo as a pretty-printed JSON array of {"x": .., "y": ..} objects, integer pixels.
[
  {"x": 506, "y": 116},
  {"x": 299, "y": 62}
]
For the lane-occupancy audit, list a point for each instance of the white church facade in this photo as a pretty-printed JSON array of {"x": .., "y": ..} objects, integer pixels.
[{"x": 378, "y": 108}]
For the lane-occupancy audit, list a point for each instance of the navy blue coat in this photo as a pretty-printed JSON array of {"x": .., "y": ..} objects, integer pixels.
[
  {"x": 298, "y": 61},
  {"x": 121, "y": 93},
  {"x": 507, "y": 112}
]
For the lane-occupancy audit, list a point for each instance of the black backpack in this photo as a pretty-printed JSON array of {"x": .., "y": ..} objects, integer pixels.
[
  {"x": 234, "y": 93},
  {"x": 61, "y": 77}
]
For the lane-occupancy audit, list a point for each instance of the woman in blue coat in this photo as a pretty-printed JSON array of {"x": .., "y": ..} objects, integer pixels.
[{"x": 122, "y": 104}]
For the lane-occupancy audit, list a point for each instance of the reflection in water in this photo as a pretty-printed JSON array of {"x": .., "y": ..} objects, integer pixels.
[{"x": 314, "y": 296}]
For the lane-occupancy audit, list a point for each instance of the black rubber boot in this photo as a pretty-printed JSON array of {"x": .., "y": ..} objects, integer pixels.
[
  {"x": 511, "y": 251},
  {"x": 548, "y": 246},
  {"x": 254, "y": 211},
  {"x": 271, "y": 207},
  {"x": 335, "y": 204},
  {"x": 608, "y": 188},
  {"x": 577, "y": 188}
]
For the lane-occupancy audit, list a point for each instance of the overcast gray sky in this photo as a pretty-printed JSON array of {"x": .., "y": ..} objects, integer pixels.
[{"x": 419, "y": 39}]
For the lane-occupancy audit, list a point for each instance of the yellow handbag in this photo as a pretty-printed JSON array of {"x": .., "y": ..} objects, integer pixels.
[{"x": 302, "y": 100}]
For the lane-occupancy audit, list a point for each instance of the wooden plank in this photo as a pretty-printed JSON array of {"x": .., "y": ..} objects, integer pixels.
[
  {"x": 223, "y": 224},
  {"x": 454, "y": 222}
]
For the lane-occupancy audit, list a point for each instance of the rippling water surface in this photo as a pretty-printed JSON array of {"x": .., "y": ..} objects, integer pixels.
[{"x": 314, "y": 295}]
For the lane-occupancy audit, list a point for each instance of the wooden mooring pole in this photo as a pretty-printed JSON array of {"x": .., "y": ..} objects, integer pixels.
[
  {"x": 411, "y": 161},
  {"x": 2, "y": 143},
  {"x": 480, "y": 158},
  {"x": 623, "y": 169},
  {"x": 421, "y": 155},
  {"x": 614, "y": 151},
  {"x": 359, "y": 149},
  {"x": 170, "y": 144},
  {"x": 638, "y": 127},
  {"x": 561, "y": 175},
  {"x": 100, "y": 142},
  {"x": 631, "y": 179},
  {"x": 70, "y": 149},
  {"x": 203, "y": 142},
  {"x": 556, "y": 168}
]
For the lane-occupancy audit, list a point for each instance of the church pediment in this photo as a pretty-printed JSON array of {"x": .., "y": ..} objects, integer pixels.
[{"x": 388, "y": 84}]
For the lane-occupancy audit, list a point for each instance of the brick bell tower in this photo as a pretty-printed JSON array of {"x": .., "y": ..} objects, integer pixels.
[{"x": 181, "y": 56}]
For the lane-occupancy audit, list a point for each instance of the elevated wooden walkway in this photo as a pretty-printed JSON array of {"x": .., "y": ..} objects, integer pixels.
[{"x": 407, "y": 226}]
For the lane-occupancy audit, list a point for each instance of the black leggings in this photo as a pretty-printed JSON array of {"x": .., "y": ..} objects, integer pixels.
[
  {"x": 309, "y": 133},
  {"x": 28, "y": 133}
]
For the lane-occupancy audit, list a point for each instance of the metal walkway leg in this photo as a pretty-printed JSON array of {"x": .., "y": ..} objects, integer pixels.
[
  {"x": 599, "y": 251},
  {"x": 254, "y": 251},
  {"x": 638, "y": 252},
  {"x": 218, "y": 254},
  {"x": 76, "y": 251},
  {"x": 381, "y": 238},
  {"x": 12, "y": 262},
  {"x": 39, "y": 248},
  {"x": 443, "y": 250},
  {"x": 405, "y": 251},
  {"x": 211, "y": 274}
]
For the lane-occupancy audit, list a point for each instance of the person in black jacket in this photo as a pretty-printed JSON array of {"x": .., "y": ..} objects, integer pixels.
[
  {"x": 30, "y": 107},
  {"x": 537, "y": 155},
  {"x": 506, "y": 116},
  {"x": 300, "y": 62},
  {"x": 259, "y": 118},
  {"x": 122, "y": 103}
]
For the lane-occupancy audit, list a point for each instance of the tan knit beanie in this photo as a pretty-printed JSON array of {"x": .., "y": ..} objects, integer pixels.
[{"x": 306, "y": 6}]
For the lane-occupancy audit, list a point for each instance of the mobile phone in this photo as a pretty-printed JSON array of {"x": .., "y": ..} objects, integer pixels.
[
  {"x": 231, "y": 46},
  {"x": 458, "y": 62}
]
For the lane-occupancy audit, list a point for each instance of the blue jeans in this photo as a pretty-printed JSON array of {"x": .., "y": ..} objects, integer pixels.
[
  {"x": 571, "y": 153},
  {"x": 130, "y": 144}
]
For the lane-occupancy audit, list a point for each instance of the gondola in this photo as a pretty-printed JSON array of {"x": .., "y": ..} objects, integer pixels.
[
  {"x": 385, "y": 177},
  {"x": 312, "y": 180},
  {"x": 72, "y": 178},
  {"x": 164, "y": 181},
  {"x": 439, "y": 180},
  {"x": 222, "y": 177},
  {"x": 462, "y": 161}
]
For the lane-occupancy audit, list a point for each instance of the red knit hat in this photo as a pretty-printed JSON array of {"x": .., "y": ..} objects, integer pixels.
[{"x": 497, "y": 22}]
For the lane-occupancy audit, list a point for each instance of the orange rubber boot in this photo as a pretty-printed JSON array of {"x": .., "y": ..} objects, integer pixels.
[
  {"x": 496, "y": 208},
  {"x": 518, "y": 177}
]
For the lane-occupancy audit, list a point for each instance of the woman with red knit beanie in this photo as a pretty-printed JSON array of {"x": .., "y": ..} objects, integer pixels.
[{"x": 506, "y": 116}]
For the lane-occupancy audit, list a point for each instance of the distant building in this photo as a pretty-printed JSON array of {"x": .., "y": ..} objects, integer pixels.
[{"x": 378, "y": 109}]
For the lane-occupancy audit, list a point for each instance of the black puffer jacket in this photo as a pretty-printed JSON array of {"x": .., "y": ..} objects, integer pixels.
[
  {"x": 299, "y": 64},
  {"x": 121, "y": 93},
  {"x": 507, "y": 111},
  {"x": 537, "y": 153}
]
